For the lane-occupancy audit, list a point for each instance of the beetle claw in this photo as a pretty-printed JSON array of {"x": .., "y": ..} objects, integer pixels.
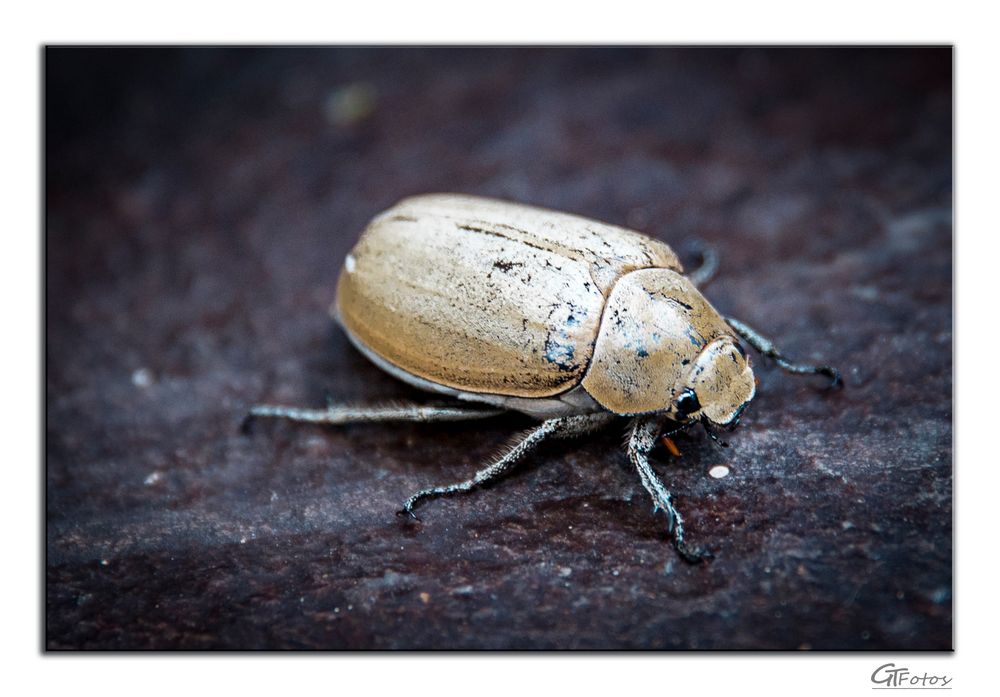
[
  {"x": 407, "y": 513},
  {"x": 694, "y": 555},
  {"x": 836, "y": 381},
  {"x": 246, "y": 425}
]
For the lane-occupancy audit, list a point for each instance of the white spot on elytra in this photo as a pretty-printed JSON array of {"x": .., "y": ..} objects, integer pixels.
[
  {"x": 349, "y": 263},
  {"x": 718, "y": 472}
]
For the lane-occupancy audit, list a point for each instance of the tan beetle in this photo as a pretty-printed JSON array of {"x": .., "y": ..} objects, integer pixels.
[{"x": 572, "y": 321}]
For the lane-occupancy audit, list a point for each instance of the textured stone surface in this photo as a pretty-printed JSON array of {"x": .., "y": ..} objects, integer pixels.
[{"x": 199, "y": 205}]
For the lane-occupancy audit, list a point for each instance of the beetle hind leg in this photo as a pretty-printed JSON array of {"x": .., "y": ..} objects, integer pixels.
[
  {"x": 642, "y": 438},
  {"x": 562, "y": 427},
  {"x": 338, "y": 414},
  {"x": 767, "y": 348},
  {"x": 704, "y": 274}
]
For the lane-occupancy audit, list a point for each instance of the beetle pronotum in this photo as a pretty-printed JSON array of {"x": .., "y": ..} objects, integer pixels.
[{"x": 502, "y": 306}]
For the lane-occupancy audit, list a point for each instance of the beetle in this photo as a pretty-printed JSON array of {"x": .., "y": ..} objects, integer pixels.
[{"x": 507, "y": 307}]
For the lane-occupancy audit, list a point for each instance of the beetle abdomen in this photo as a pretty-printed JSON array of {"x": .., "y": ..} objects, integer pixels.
[{"x": 486, "y": 296}]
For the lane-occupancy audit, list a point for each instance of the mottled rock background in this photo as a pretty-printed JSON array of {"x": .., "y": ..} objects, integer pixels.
[{"x": 199, "y": 204}]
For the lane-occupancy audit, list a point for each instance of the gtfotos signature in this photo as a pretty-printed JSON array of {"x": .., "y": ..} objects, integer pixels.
[{"x": 890, "y": 677}]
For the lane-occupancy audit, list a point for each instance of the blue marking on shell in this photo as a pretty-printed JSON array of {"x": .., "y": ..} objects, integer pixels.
[
  {"x": 559, "y": 353},
  {"x": 696, "y": 341}
]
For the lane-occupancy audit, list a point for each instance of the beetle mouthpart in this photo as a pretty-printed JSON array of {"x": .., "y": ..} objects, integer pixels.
[{"x": 670, "y": 445}]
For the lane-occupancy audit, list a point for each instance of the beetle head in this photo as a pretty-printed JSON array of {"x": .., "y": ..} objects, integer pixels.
[{"x": 718, "y": 387}]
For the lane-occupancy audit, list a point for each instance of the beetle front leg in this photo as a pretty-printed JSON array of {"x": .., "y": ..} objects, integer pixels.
[
  {"x": 641, "y": 439},
  {"x": 563, "y": 427},
  {"x": 767, "y": 348},
  {"x": 338, "y": 414}
]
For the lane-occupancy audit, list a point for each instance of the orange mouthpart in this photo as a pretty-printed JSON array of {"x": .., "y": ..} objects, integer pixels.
[{"x": 669, "y": 444}]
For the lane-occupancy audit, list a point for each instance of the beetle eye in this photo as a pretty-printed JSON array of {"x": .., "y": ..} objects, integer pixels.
[{"x": 688, "y": 402}]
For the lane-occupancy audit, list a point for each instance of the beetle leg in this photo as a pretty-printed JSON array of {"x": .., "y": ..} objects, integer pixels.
[
  {"x": 562, "y": 427},
  {"x": 767, "y": 348},
  {"x": 709, "y": 265},
  {"x": 344, "y": 414},
  {"x": 641, "y": 440}
]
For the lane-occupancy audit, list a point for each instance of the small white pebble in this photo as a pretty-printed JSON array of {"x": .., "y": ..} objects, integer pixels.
[
  {"x": 718, "y": 472},
  {"x": 274, "y": 496},
  {"x": 565, "y": 572},
  {"x": 152, "y": 479},
  {"x": 104, "y": 562},
  {"x": 243, "y": 540},
  {"x": 143, "y": 377},
  {"x": 615, "y": 572}
]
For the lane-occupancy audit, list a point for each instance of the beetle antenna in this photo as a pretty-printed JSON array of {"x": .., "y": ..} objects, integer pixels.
[
  {"x": 680, "y": 429},
  {"x": 704, "y": 425}
]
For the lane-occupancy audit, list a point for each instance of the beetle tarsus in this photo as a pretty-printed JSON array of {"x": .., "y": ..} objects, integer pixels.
[
  {"x": 767, "y": 348},
  {"x": 642, "y": 438}
]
